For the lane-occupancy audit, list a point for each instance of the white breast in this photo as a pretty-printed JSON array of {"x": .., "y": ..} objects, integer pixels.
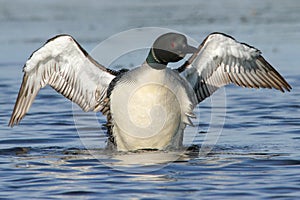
[{"x": 146, "y": 111}]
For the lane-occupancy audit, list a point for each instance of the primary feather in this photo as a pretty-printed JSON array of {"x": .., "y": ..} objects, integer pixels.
[
  {"x": 221, "y": 60},
  {"x": 64, "y": 65}
]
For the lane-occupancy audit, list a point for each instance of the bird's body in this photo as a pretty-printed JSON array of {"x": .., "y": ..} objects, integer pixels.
[
  {"x": 155, "y": 103},
  {"x": 147, "y": 107}
]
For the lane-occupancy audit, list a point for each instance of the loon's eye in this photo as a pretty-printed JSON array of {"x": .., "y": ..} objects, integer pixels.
[{"x": 173, "y": 45}]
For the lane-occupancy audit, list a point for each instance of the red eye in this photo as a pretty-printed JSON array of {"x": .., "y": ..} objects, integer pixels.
[{"x": 173, "y": 44}]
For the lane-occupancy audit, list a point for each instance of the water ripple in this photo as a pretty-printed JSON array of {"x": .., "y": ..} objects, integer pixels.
[{"x": 257, "y": 155}]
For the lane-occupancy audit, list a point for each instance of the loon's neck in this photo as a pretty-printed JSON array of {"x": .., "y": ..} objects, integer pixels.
[{"x": 154, "y": 62}]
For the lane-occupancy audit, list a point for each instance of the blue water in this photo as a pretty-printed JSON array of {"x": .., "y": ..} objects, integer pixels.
[{"x": 256, "y": 156}]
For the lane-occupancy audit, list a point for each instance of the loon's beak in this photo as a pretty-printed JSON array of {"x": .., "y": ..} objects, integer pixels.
[{"x": 190, "y": 49}]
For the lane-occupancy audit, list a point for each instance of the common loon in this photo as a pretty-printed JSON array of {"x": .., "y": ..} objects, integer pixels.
[{"x": 149, "y": 106}]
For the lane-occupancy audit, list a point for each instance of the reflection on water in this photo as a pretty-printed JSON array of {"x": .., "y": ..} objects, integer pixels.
[
  {"x": 256, "y": 157},
  {"x": 68, "y": 172}
]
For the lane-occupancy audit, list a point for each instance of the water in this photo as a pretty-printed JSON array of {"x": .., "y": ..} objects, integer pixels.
[{"x": 257, "y": 155}]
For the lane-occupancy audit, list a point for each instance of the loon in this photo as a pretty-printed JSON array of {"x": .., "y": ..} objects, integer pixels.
[{"x": 147, "y": 107}]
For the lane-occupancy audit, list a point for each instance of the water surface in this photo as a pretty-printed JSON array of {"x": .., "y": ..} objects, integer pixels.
[{"x": 256, "y": 156}]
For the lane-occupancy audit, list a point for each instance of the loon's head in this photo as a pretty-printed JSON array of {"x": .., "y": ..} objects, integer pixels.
[{"x": 169, "y": 47}]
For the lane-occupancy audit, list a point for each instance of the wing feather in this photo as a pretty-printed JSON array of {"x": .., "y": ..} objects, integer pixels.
[
  {"x": 221, "y": 60},
  {"x": 64, "y": 65}
]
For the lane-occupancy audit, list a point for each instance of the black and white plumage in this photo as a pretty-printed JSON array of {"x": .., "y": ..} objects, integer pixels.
[
  {"x": 221, "y": 60},
  {"x": 64, "y": 65}
]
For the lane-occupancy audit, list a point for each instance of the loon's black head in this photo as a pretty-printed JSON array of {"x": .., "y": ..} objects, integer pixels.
[{"x": 169, "y": 47}]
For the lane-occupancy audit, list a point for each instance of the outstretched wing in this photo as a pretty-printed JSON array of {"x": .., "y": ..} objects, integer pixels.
[
  {"x": 66, "y": 66},
  {"x": 221, "y": 60}
]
